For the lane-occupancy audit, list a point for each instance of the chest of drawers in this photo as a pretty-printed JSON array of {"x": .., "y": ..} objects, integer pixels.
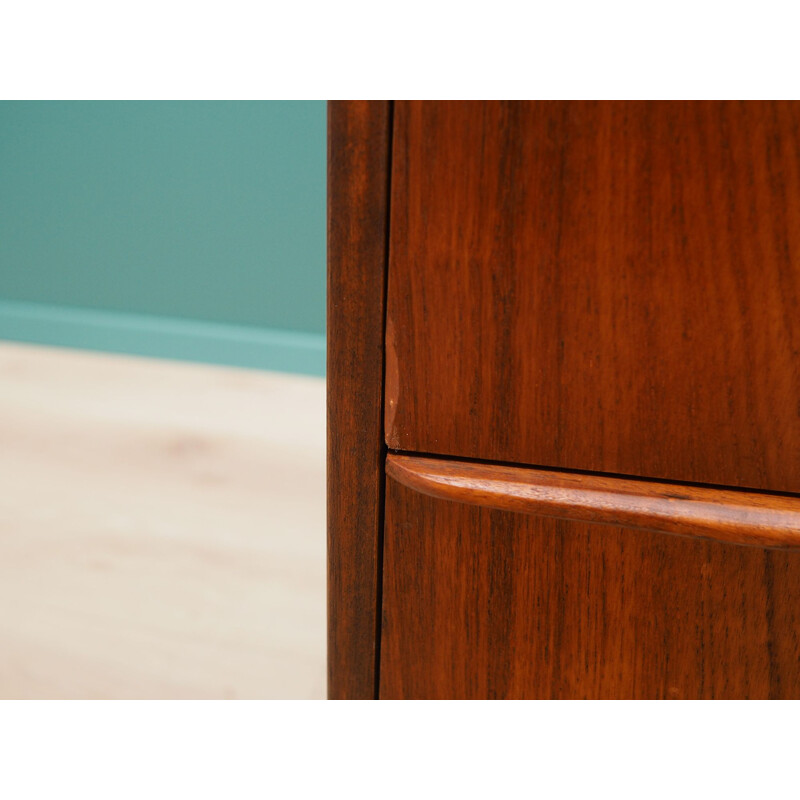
[{"x": 564, "y": 399}]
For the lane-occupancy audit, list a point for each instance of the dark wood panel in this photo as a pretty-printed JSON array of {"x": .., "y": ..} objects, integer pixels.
[
  {"x": 358, "y": 164},
  {"x": 724, "y": 515},
  {"x": 481, "y": 603},
  {"x": 612, "y": 287}
]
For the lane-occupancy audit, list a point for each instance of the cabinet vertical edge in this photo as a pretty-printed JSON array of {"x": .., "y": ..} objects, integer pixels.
[{"x": 359, "y": 137}]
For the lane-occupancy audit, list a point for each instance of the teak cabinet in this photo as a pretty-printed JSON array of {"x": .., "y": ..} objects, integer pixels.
[{"x": 564, "y": 400}]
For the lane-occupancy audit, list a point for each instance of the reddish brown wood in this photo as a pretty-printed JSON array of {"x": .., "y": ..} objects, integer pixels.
[
  {"x": 724, "y": 515},
  {"x": 610, "y": 287},
  {"x": 602, "y": 287},
  {"x": 358, "y": 163},
  {"x": 481, "y": 603}
]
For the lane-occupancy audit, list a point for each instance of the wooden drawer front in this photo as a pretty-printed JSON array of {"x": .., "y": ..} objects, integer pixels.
[
  {"x": 598, "y": 286},
  {"x": 481, "y": 602}
]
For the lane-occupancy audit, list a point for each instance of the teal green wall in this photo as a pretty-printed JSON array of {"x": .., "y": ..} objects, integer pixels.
[{"x": 209, "y": 215}]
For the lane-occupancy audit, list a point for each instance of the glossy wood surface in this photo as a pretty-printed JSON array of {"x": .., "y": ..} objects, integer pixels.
[
  {"x": 610, "y": 287},
  {"x": 732, "y": 516},
  {"x": 481, "y": 603},
  {"x": 358, "y": 163}
]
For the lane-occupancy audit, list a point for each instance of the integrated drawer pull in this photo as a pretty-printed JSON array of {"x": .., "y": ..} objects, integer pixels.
[{"x": 726, "y": 515}]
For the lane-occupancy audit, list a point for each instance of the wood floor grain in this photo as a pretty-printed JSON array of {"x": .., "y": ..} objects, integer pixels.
[{"x": 162, "y": 529}]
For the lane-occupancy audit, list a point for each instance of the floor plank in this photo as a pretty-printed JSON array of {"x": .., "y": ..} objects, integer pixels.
[{"x": 162, "y": 529}]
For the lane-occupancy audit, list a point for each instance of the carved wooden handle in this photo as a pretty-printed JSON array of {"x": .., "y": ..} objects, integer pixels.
[{"x": 727, "y": 515}]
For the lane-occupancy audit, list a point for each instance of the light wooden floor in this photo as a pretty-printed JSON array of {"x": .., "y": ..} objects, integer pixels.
[{"x": 162, "y": 529}]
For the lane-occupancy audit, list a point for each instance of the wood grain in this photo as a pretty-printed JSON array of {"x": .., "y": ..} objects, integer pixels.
[
  {"x": 358, "y": 184},
  {"x": 731, "y": 516},
  {"x": 601, "y": 286},
  {"x": 480, "y": 603}
]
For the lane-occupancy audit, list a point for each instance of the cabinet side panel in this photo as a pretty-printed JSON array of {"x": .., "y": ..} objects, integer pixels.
[
  {"x": 483, "y": 603},
  {"x": 358, "y": 163}
]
